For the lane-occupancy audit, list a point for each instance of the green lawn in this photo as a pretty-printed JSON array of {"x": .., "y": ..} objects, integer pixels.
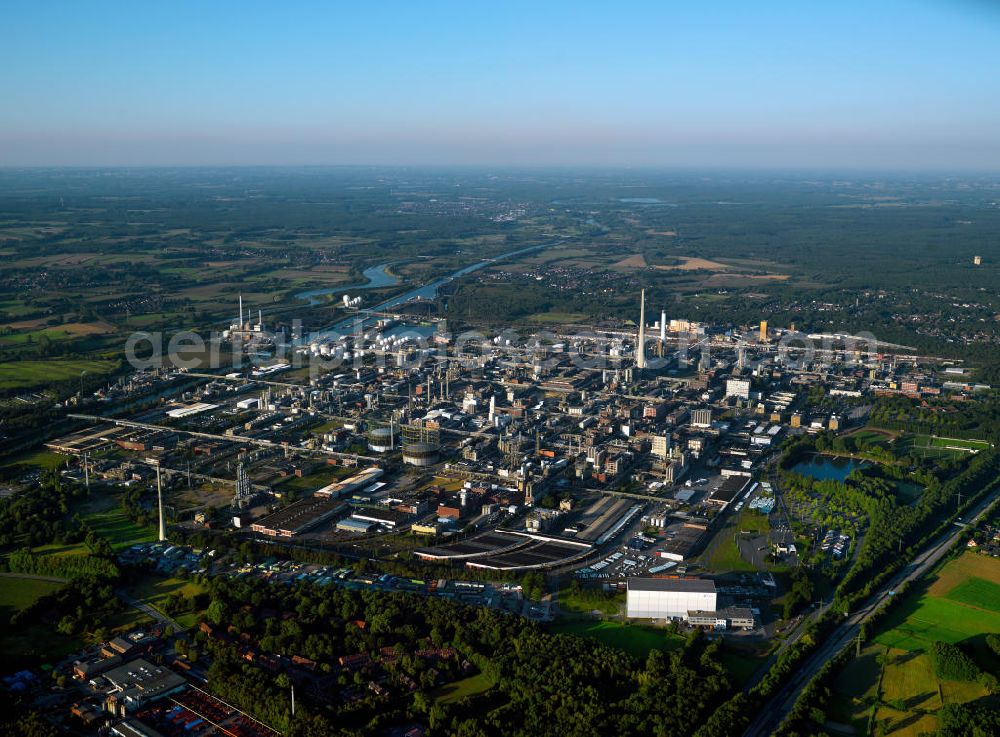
[
  {"x": 634, "y": 639},
  {"x": 726, "y": 555},
  {"x": 314, "y": 481},
  {"x": 741, "y": 663},
  {"x": 907, "y": 491},
  {"x": 471, "y": 686},
  {"x": 854, "y": 687},
  {"x": 959, "y": 603},
  {"x": 930, "y": 446},
  {"x": 113, "y": 525}
]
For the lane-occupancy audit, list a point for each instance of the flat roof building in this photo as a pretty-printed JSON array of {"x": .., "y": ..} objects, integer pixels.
[
  {"x": 297, "y": 517},
  {"x": 358, "y": 526},
  {"x": 390, "y": 518},
  {"x": 139, "y": 682},
  {"x": 669, "y": 598}
]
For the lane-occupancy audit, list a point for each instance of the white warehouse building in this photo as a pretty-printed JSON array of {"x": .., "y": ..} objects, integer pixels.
[{"x": 669, "y": 598}]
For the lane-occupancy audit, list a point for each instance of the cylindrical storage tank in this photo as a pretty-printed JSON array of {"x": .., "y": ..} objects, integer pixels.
[
  {"x": 382, "y": 439},
  {"x": 421, "y": 454}
]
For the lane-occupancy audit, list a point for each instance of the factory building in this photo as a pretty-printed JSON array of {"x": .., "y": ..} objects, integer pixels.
[
  {"x": 298, "y": 517},
  {"x": 669, "y": 598},
  {"x": 388, "y": 518},
  {"x": 345, "y": 487},
  {"x": 139, "y": 682}
]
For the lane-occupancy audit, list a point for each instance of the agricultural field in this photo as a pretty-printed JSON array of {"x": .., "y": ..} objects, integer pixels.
[
  {"x": 891, "y": 687},
  {"x": 943, "y": 610}
]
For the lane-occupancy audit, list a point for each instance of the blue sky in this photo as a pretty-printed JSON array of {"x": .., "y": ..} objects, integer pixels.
[{"x": 882, "y": 83}]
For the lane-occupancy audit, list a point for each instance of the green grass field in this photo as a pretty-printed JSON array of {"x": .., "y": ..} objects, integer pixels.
[
  {"x": 978, "y": 593},
  {"x": 907, "y": 491},
  {"x": 40, "y": 458},
  {"x": 29, "y": 646},
  {"x": 118, "y": 529},
  {"x": 725, "y": 555},
  {"x": 871, "y": 437},
  {"x": 930, "y": 446},
  {"x": 19, "y": 593},
  {"x": 27, "y": 374},
  {"x": 959, "y": 603},
  {"x": 314, "y": 481},
  {"x": 742, "y": 663},
  {"x": 155, "y": 591},
  {"x": 556, "y": 318},
  {"x": 588, "y": 601},
  {"x": 940, "y": 442},
  {"x": 471, "y": 686},
  {"x": 634, "y": 639},
  {"x": 916, "y": 624},
  {"x": 113, "y": 525}
]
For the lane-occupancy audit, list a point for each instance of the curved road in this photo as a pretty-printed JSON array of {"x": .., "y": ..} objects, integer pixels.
[
  {"x": 155, "y": 614},
  {"x": 774, "y": 712},
  {"x": 151, "y": 612}
]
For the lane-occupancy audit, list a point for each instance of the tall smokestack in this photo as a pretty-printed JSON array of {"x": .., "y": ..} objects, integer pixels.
[
  {"x": 640, "y": 354},
  {"x": 159, "y": 501},
  {"x": 240, "y": 320},
  {"x": 663, "y": 326}
]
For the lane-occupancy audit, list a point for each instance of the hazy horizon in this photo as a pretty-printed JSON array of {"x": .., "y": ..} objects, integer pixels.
[{"x": 907, "y": 86}]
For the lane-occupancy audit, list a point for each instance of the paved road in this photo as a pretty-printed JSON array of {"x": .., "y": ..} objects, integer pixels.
[
  {"x": 773, "y": 713},
  {"x": 146, "y": 609}
]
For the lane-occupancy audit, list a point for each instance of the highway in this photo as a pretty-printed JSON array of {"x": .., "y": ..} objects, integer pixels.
[{"x": 773, "y": 713}]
